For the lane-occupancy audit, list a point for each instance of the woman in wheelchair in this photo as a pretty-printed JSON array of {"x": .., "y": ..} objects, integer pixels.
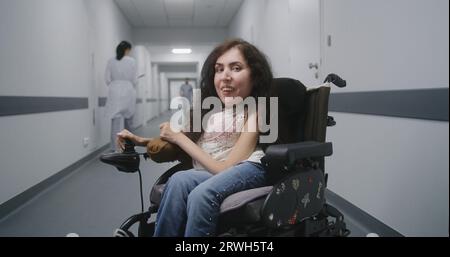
[{"x": 226, "y": 153}]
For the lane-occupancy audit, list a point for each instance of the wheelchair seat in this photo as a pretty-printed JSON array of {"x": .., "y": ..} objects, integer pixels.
[
  {"x": 294, "y": 202},
  {"x": 231, "y": 203}
]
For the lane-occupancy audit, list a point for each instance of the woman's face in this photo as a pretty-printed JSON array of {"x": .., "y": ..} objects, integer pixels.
[{"x": 232, "y": 76}]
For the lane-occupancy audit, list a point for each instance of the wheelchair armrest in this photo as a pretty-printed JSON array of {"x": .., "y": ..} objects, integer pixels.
[{"x": 286, "y": 155}]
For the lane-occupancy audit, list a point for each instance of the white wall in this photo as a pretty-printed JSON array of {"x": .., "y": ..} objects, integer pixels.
[
  {"x": 248, "y": 22},
  {"x": 270, "y": 35},
  {"x": 164, "y": 103},
  {"x": 155, "y": 92},
  {"x": 396, "y": 169},
  {"x": 386, "y": 45},
  {"x": 143, "y": 60},
  {"x": 287, "y": 31},
  {"x": 53, "y": 48}
]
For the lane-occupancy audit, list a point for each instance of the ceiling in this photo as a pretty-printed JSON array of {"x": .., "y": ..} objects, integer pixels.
[{"x": 179, "y": 13}]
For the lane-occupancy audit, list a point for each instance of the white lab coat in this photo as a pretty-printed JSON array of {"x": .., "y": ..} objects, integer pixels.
[{"x": 121, "y": 78}]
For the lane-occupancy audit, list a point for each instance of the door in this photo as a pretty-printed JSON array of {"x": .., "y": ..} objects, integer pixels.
[
  {"x": 304, "y": 42},
  {"x": 92, "y": 142}
]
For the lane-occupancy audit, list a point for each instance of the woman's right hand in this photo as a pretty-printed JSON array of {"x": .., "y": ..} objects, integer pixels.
[{"x": 125, "y": 134}]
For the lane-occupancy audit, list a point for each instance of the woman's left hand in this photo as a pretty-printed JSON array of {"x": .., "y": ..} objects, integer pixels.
[{"x": 166, "y": 133}]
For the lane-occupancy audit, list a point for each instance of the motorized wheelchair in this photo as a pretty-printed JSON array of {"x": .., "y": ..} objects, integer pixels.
[{"x": 294, "y": 204}]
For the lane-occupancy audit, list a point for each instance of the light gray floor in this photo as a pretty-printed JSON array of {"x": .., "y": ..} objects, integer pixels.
[{"x": 94, "y": 200}]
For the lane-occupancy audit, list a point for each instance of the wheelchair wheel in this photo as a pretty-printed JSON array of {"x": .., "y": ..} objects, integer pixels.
[{"x": 123, "y": 233}]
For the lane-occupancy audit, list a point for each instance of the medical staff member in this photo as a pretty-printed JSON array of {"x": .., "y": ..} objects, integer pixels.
[
  {"x": 121, "y": 78},
  {"x": 186, "y": 90}
]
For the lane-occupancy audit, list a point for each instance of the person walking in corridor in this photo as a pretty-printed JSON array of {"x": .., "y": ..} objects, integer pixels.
[{"x": 121, "y": 78}]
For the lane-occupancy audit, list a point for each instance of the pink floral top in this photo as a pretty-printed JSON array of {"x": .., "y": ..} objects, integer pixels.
[{"x": 221, "y": 134}]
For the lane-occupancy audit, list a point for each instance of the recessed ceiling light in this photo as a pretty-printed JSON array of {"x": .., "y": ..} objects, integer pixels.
[{"x": 181, "y": 50}]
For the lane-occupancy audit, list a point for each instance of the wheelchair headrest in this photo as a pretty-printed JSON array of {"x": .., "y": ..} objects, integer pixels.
[{"x": 291, "y": 95}]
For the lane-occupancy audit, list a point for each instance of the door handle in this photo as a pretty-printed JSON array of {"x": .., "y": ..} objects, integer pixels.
[{"x": 314, "y": 65}]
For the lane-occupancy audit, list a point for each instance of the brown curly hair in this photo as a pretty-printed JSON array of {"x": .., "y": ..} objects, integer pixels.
[{"x": 260, "y": 73}]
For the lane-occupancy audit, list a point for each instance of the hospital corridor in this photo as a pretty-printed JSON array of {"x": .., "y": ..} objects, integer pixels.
[{"x": 355, "y": 142}]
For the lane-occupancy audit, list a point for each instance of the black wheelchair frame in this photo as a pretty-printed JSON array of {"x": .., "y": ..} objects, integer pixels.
[{"x": 296, "y": 171}]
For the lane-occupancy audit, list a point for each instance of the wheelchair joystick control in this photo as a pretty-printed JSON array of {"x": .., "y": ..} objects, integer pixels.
[
  {"x": 127, "y": 161},
  {"x": 129, "y": 146}
]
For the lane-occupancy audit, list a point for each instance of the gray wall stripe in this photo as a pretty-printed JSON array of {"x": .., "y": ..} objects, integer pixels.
[
  {"x": 429, "y": 104},
  {"x": 13, "y": 204},
  {"x": 16, "y": 105},
  {"x": 102, "y": 101}
]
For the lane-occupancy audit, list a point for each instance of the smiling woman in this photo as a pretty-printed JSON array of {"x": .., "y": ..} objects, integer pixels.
[
  {"x": 225, "y": 153},
  {"x": 232, "y": 77}
]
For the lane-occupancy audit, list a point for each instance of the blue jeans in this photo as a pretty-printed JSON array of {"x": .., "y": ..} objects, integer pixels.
[{"x": 190, "y": 204}]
